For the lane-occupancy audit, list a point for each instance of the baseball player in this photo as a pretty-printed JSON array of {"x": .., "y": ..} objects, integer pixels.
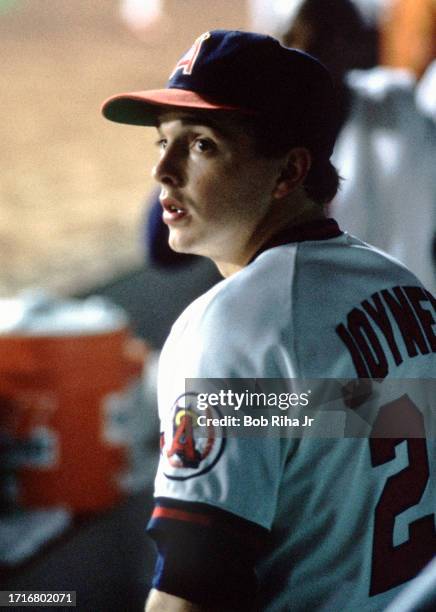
[{"x": 289, "y": 522}]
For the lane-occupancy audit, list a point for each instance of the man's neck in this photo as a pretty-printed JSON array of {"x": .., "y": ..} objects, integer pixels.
[{"x": 282, "y": 214}]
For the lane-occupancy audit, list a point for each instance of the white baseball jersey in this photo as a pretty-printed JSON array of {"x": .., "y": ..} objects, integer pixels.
[{"x": 349, "y": 520}]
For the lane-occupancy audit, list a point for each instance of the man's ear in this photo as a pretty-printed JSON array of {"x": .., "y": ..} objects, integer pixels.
[{"x": 297, "y": 165}]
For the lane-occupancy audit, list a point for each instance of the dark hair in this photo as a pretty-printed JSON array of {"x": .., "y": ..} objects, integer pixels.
[{"x": 322, "y": 181}]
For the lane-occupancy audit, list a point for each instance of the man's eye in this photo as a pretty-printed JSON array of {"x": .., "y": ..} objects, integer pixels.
[
  {"x": 203, "y": 145},
  {"x": 161, "y": 143}
]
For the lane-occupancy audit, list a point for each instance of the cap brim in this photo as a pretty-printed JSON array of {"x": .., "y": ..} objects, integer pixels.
[{"x": 142, "y": 107}]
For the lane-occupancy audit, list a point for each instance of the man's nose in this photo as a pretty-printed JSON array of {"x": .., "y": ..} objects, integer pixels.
[{"x": 169, "y": 169}]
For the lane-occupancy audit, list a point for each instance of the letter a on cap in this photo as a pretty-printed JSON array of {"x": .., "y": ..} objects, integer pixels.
[{"x": 186, "y": 63}]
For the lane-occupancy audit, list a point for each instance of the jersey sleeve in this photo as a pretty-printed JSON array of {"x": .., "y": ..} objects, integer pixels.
[
  {"x": 205, "y": 555},
  {"x": 213, "y": 343},
  {"x": 216, "y": 494}
]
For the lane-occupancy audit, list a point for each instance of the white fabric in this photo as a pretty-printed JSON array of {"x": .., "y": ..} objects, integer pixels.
[
  {"x": 277, "y": 319},
  {"x": 275, "y": 16},
  {"x": 272, "y": 16},
  {"x": 426, "y": 92},
  {"x": 386, "y": 153}
]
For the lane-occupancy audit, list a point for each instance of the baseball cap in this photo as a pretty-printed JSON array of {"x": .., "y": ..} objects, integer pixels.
[{"x": 247, "y": 72}]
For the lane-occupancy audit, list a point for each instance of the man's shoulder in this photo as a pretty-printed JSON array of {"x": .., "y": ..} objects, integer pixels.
[
  {"x": 262, "y": 287},
  {"x": 256, "y": 298},
  {"x": 281, "y": 280}
]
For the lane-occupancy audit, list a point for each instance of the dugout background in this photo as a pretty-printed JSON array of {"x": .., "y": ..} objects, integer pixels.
[{"x": 73, "y": 185}]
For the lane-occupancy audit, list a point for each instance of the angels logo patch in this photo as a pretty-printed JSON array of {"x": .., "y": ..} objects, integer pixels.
[{"x": 187, "y": 449}]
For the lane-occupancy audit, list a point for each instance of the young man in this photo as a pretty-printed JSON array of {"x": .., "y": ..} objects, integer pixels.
[{"x": 294, "y": 521}]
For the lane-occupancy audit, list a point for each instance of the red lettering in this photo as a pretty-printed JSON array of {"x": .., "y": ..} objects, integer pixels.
[
  {"x": 417, "y": 295},
  {"x": 393, "y": 565},
  {"x": 368, "y": 343},
  {"x": 378, "y": 314},
  {"x": 359, "y": 364},
  {"x": 407, "y": 322}
]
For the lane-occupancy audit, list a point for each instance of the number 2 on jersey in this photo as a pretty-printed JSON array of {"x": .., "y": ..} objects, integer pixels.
[{"x": 393, "y": 565}]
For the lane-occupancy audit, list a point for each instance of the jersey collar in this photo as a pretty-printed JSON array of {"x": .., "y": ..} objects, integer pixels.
[{"x": 321, "y": 229}]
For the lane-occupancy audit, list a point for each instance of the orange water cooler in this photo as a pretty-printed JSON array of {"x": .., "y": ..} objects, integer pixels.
[{"x": 64, "y": 379}]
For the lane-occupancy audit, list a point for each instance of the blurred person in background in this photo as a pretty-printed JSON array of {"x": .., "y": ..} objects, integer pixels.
[{"x": 386, "y": 146}]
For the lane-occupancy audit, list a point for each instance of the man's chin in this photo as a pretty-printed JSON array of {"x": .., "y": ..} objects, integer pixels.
[
  {"x": 180, "y": 246},
  {"x": 181, "y": 242}
]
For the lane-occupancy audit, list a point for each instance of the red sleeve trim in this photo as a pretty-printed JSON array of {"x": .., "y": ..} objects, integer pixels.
[{"x": 181, "y": 515}]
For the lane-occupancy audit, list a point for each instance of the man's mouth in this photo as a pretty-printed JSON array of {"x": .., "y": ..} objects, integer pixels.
[{"x": 173, "y": 210}]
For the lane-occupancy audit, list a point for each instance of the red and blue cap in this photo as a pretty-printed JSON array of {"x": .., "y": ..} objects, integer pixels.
[{"x": 246, "y": 72}]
